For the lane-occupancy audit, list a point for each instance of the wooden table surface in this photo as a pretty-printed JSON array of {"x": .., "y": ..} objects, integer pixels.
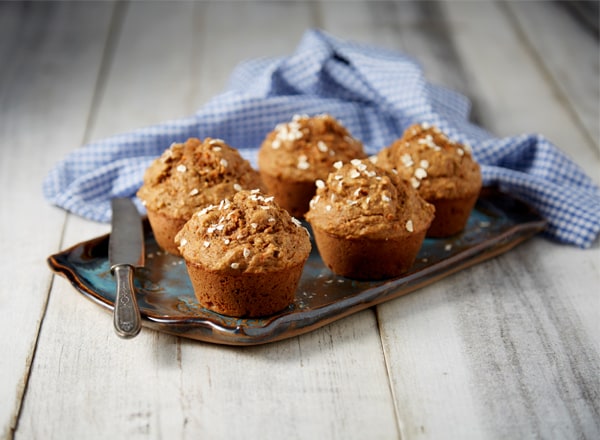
[{"x": 508, "y": 349}]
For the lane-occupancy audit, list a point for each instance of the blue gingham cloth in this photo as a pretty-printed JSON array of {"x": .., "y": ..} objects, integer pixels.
[{"x": 375, "y": 93}]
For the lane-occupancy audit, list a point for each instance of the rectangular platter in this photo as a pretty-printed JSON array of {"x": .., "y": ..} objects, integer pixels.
[{"x": 167, "y": 302}]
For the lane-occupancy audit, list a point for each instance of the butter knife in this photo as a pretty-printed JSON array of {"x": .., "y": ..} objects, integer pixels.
[{"x": 125, "y": 253}]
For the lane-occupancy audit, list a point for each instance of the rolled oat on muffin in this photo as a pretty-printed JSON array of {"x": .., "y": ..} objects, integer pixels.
[
  {"x": 443, "y": 171},
  {"x": 367, "y": 222},
  {"x": 244, "y": 256},
  {"x": 189, "y": 176},
  {"x": 295, "y": 154}
]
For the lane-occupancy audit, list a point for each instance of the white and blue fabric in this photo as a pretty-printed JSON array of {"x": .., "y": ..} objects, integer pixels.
[{"x": 375, "y": 93}]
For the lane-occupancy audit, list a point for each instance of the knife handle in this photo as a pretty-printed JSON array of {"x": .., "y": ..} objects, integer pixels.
[{"x": 127, "y": 320}]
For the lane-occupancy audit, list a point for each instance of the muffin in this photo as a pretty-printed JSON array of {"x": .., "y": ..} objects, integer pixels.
[
  {"x": 443, "y": 171},
  {"x": 295, "y": 154},
  {"x": 367, "y": 222},
  {"x": 188, "y": 177},
  {"x": 244, "y": 256}
]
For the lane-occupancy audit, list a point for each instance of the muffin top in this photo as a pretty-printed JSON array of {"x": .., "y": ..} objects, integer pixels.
[
  {"x": 360, "y": 199},
  {"x": 248, "y": 234},
  {"x": 435, "y": 165},
  {"x": 306, "y": 148},
  {"x": 195, "y": 174}
]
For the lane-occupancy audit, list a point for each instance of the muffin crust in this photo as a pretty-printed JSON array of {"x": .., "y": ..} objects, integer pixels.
[
  {"x": 435, "y": 165},
  {"x": 295, "y": 154},
  {"x": 245, "y": 256},
  {"x": 443, "y": 171},
  {"x": 195, "y": 174},
  {"x": 250, "y": 233},
  {"x": 368, "y": 223},
  {"x": 187, "y": 177},
  {"x": 360, "y": 199}
]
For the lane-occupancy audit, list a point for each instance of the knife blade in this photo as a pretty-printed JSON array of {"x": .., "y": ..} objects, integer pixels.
[{"x": 125, "y": 253}]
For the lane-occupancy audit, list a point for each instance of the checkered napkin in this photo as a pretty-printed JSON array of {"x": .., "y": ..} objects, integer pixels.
[{"x": 375, "y": 93}]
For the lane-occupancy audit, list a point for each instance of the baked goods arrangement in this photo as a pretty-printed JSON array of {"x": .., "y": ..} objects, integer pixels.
[
  {"x": 237, "y": 230},
  {"x": 297, "y": 153},
  {"x": 443, "y": 171},
  {"x": 189, "y": 176}
]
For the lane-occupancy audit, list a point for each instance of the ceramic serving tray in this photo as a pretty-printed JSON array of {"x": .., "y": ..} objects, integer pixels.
[{"x": 167, "y": 302}]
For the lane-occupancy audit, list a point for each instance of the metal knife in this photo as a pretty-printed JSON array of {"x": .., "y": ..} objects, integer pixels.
[{"x": 125, "y": 253}]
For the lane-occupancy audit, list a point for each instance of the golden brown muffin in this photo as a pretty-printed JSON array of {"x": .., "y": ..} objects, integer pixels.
[
  {"x": 244, "y": 256},
  {"x": 443, "y": 171},
  {"x": 188, "y": 177},
  {"x": 295, "y": 154},
  {"x": 368, "y": 223}
]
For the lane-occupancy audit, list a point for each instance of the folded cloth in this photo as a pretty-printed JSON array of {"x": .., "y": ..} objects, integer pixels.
[{"x": 375, "y": 93}]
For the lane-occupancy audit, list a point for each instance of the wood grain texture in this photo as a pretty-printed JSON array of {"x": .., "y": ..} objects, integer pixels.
[
  {"x": 227, "y": 33},
  {"x": 510, "y": 320},
  {"x": 146, "y": 81},
  {"x": 534, "y": 363},
  {"x": 507, "y": 349},
  {"x": 493, "y": 338},
  {"x": 514, "y": 95},
  {"x": 559, "y": 53},
  {"x": 49, "y": 64}
]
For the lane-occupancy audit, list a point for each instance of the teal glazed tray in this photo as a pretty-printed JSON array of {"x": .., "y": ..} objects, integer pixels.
[{"x": 167, "y": 302}]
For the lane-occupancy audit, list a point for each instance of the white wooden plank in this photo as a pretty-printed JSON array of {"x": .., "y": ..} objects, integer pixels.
[
  {"x": 430, "y": 378},
  {"x": 528, "y": 100},
  {"x": 228, "y": 33},
  {"x": 414, "y": 28},
  {"x": 331, "y": 383},
  {"x": 485, "y": 354},
  {"x": 514, "y": 95},
  {"x": 504, "y": 355},
  {"x": 573, "y": 48},
  {"x": 145, "y": 96},
  {"x": 372, "y": 23},
  {"x": 510, "y": 357},
  {"x": 149, "y": 79},
  {"x": 49, "y": 67}
]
